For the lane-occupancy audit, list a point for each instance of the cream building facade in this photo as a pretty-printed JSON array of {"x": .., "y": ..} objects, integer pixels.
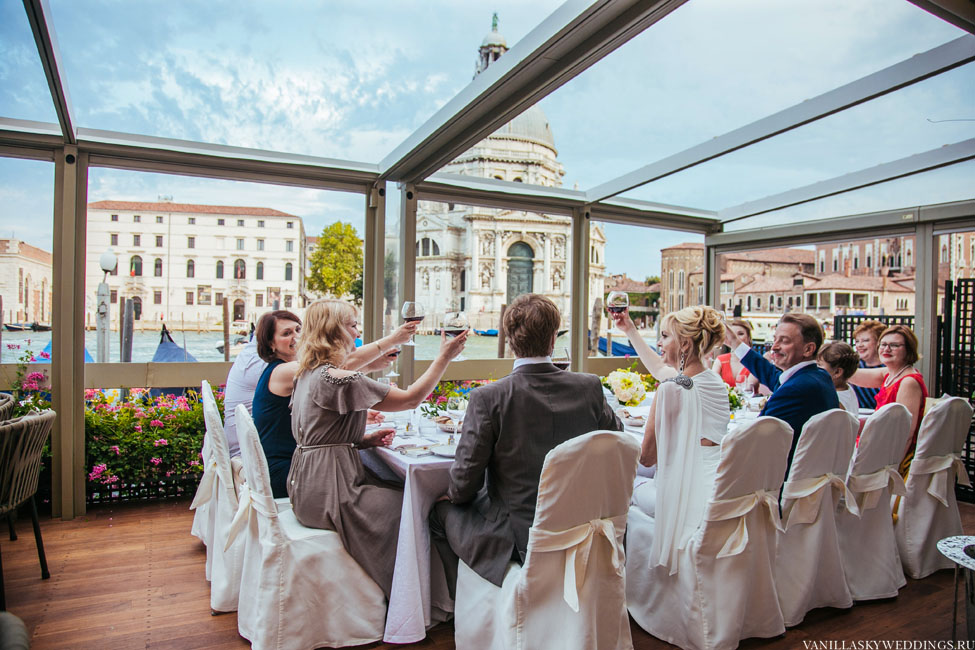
[
  {"x": 477, "y": 259},
  {"x": 25, "y": 282},
  {"x": 178, "y": 261}
]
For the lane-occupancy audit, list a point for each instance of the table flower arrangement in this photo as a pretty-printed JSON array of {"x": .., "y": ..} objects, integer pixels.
[
  {"x": 629, "y": 387},
  {"x": 735, "y": 399},
  {"x": 436, "y": 401}
]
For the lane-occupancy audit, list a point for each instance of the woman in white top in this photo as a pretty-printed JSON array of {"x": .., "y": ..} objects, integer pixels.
[{"x": 688, "y": 418}]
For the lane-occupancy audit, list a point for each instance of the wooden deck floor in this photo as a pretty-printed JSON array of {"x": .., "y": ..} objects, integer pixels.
[{"x": 131, "y": 576}]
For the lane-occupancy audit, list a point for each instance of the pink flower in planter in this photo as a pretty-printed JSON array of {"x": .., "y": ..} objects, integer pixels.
[
  {"x": 155, "y": 461},
  {"x": 97, "y": 471},
  {"x": 13, "y": 346},
  {"x": 44, "y": 355},
  {"x": 110, "y": 479},
  {"x": 170, "y": 473},
  {"x": 36, "y": 376},
  {"x": 156, "y": 423},
  {"x": 138, "y": 428},
  {"x": 162, "y": 442},
  {"x": 194, "y": 463},
  {"x": 118, "y": 452},
  {"x": 140, "y": 413},
  {"x": 29, "y": 385},
  {"x": 170, "y": 417}
]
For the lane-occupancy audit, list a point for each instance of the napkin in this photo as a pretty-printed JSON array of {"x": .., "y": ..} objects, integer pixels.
[{"x": 400, "y": 442}]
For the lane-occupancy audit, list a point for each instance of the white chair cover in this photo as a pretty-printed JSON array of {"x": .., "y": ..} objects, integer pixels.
[
  {"x": 724, "y": 588},
  {"x": 299, "y": 589},
  {"x": 217, "y": 495},
  {"x": 808, "y": 564},
  {"x": 201, "y": 518},
  {"x": 929, "y": 511},
  {"x": 870, "y": 560},
  {"x": 570, "y": 591}
]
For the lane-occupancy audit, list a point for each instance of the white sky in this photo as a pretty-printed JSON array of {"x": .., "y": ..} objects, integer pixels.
[{"x": 352, "y": 79}]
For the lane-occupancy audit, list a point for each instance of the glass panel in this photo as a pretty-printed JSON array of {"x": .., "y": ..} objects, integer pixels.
[
  {"x": 348, "y": 81},
  {"x": 183, "y": 286},
  {"x": 24, "y": 93},
  {"x": 481, "y": 259}
]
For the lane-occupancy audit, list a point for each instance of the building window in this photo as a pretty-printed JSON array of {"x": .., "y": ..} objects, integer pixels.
[
  {"x": 137, "y": 240},
  {"x": 190, "y": 269},
  {"x": 680, "y": 301},
  {"x": 191, "y": 242},
  {"x": 259, "y": 300},
  {"x": 114, "y": 217},
  {"x": 671, "y": 280},
  {"x": 135, "y": 266},
  {"x": 822, "y": 266},
  {"x": 189, "y": 297},
  {"x": 157, "y": 267},
  {"x": 289, "y": 246},
  {"x": 240, "y": 223},
  {"x": 780, "y": 302},
  {"x": 114, "y": 239},
  {"x": 240, "y": 243},
  {"x": 221, "y": 222},
  {"x": 159, "y": 219},
  {"x": 220, "y": 269},
  {"x": 191, "y": 221},
  {"x": 157, "y": 297},
  {"x": 290, "y": 225},
  {"x": 260, "y": 244},
  {"x": 463, "y": 281},
  {"x": 758, "y": 303},
  {"x": 287, "y": 301},
  {"x": 876, "y": 302},
  {"x": 836, "y": 264},
  {"x": 240, "y": 269},
  {"x": 159, "y": 241},
  {"x": 680, "y": 281},
  {"x": 218, "y": 298},
  {"x": 260, "y": 270},
  {"x": 902, "y": 304},
  {"x": 869, "y": 261},
  {"x": 260, "y": 223},
  {"x": 944, "y": 254},
  {"x": 136, "y": 218},
  {"x": 113, "y": 296},
  {"x": 288, "y": 272}
]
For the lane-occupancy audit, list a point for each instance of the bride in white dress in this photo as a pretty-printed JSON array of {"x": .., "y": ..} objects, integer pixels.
[{"x": 688, "y": 418}]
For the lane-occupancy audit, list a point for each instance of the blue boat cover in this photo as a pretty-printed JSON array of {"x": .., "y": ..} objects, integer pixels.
[
  {"x": 47, "y": 351},
  {"x": 169, "y": 352}
]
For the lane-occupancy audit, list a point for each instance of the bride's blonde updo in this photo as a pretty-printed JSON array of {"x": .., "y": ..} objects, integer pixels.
[
  {"x": 325, "y": 338},
  {"x": 703, "y": 327}
]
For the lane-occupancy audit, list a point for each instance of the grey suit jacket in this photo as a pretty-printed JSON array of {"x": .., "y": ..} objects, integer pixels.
[{"x": 509, "y": 427}]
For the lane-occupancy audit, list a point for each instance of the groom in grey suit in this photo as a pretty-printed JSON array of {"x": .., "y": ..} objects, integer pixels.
[{"x": 509, "y": 427}]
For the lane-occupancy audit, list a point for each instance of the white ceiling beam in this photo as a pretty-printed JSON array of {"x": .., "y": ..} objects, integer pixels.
[
  {"x": 919, "y": 67},
  {"x": 960, "y": 13},
  {"x": 574, "y": 37},
  {"x": 922, "y": 162},
  {"x": 39, "y": 16}
]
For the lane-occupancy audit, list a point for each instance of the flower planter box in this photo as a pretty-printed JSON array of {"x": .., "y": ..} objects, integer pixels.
[{"x": 172, "y": 487}]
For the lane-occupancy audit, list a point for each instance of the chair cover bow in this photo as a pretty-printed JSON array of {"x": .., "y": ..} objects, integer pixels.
[
  {"x": 577, "y": 544},
  {"x": 807, "y": 494},
  {"x": 870, "y": 485},
  {"x": 939, "y": 467},
  {"x": 737, "y": 508},
  {"x": 247, "y": 502},
  {"x": 205, "y": 490}
]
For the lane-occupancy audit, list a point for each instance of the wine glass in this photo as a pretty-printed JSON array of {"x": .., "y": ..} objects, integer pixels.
[
  {"x": 456, "y": 408},
  {"x": 454, "y": 324},
  {"x": 561, "y": 358},
  {"x": 617, "y": 302},
  {"x": 413, "y": 312},
  {"x": 392, "y": 374}
]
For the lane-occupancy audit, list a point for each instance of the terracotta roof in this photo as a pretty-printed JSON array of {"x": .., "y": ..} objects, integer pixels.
[
  {"x": 629, "y": 285},
  {"x": 188, "y": 207},
  {"x": 765, "y": 284},
  {"x": 311, "y": 241},
  {"x": 729, "y": 277},
  {"x": 25, "y": 250},
  {"x": 685, "y": 245},
  {"x": 654, "y": 288},
  {"x": 857, "y": 283},
  {"x": 776, "y": 256}
]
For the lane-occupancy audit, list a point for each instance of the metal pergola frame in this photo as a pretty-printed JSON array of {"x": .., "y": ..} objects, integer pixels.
[{"x": 575, "y": 37}]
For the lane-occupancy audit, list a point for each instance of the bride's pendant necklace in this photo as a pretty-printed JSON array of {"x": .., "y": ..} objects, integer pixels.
[{"x": 681, "y": 379}]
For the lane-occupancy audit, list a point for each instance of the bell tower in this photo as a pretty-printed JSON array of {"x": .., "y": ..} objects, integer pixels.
[{"x": 493, "y": 46}]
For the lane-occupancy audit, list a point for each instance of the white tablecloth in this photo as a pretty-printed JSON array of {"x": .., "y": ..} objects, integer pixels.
[{"x": 419, "y": 595}]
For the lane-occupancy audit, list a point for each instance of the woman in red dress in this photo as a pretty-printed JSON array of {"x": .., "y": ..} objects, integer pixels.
[
  {"x": 898, "y": 381},
  {"x": 728, "y": 366}
]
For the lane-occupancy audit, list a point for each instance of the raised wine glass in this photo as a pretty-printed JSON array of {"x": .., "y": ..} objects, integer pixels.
[
  {"x": 456, "y": 408},
  {"x": 392, "y": 374},
  {"x": 617, "y": 302},
  {"x": 454, "y": 324},
  {"x": 413, "y": 312},
  {"x": 561, "y": 358}
]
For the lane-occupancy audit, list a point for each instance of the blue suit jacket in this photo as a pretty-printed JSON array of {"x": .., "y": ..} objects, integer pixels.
[{"x": 808, "y": 392}]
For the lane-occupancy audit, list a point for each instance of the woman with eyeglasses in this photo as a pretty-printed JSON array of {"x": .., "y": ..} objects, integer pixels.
[
  {"x": 898, "y": 381},
  {"x": 277, "y": 337}
]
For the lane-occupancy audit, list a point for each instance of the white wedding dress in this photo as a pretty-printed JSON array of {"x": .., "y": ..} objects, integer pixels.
[{"x": 677, "y": 496}]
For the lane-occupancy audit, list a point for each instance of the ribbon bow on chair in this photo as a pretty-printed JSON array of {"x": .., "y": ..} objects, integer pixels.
[
  {"x": 205, "y": 490},
  {"x": 939, "y": 467},
  {"x": 577, "y": 544},
  {"x": 807, "y": 494},
  {"x": 248, "y": 502},
  {"x": 723, "y": 510},
  {"x": 870, "y": 485}
]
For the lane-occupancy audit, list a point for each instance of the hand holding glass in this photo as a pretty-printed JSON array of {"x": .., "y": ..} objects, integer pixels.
[
  {"x": 413, "y": 312},
  {"x": 454, "y": 324},
  {"x": 617, "y": 302}
]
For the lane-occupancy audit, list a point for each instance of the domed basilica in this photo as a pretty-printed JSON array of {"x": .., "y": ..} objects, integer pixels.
[{"x": 476, "y": 259}]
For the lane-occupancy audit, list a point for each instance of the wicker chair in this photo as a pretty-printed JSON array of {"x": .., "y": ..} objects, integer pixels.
[
  {"x": 6, "y": 406},
  {"x": 21, "y": 442}
]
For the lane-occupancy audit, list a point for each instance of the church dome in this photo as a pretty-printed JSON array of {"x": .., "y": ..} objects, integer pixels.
[
  {"x": 494, "y": 39},
  {"x": 531, "y": 125}
]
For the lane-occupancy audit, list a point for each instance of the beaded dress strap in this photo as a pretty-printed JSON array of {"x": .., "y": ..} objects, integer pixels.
[{"x": 338, "y": 381}]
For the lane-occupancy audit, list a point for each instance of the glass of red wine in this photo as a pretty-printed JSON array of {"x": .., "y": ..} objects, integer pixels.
[
  {"x": 617, "y": 302},
  {"x": 413, "y": 312},
  {"x": 454, "y": 324},
  {"x": 561, "y": 358}
]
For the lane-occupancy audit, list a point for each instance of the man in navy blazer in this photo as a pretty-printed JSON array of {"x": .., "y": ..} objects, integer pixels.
[{"x": 800, "y": 388}]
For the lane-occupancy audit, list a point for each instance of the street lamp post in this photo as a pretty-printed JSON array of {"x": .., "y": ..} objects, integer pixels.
[{"x": 107, "y": 261}]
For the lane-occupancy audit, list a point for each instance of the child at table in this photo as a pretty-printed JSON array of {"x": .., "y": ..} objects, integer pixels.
[{"x": 841, "y": 361}]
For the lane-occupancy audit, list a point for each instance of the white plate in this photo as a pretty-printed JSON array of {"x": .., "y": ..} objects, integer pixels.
[
  {"x": 447, "y": 451},
  {"x": 634, "y": 422},
  {"x": 449, "y": 427}
]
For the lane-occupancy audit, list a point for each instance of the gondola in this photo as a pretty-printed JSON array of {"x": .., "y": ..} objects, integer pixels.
[
  {"x": 40, "y": 327},
  {"x": 169, "y": 352},
  {"x": 486, "y": 332},
  {"x": 17, "y": 327}
]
